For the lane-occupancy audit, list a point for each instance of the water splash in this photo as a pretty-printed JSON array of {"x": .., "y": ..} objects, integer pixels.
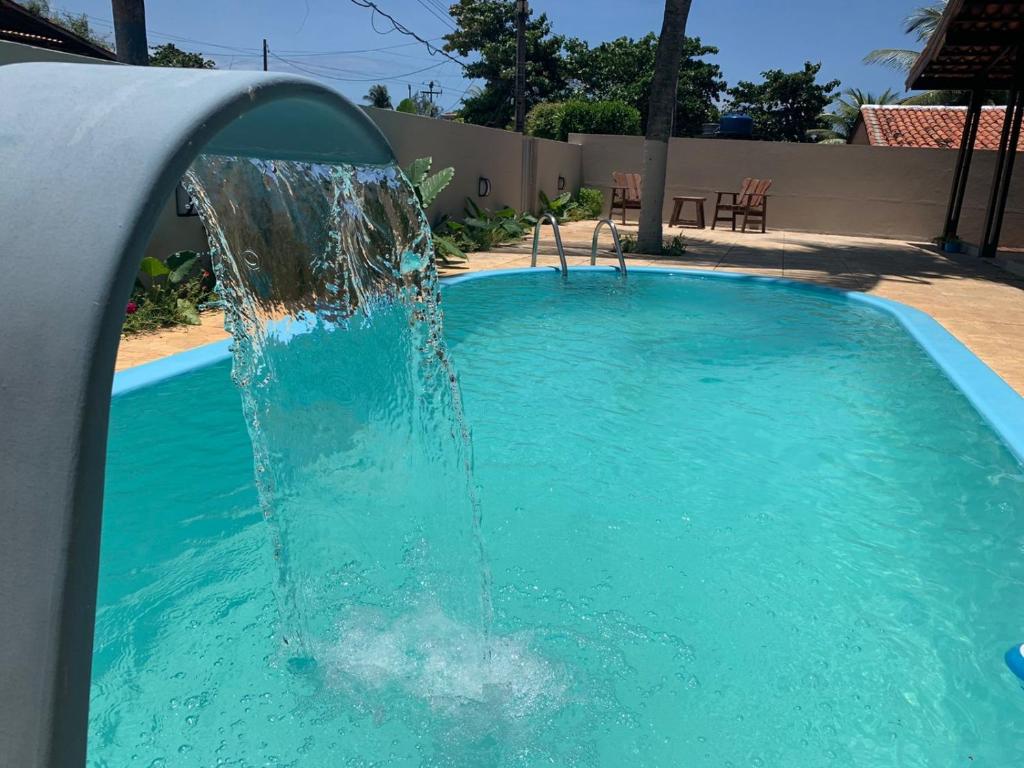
[{"x": 352, "y": 403}]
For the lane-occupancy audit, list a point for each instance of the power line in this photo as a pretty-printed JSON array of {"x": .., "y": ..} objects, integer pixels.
[
  {"x": 443, "y": 18},
  {"x": 397, "y": 26},
  {"x": 315, "y": 73}
]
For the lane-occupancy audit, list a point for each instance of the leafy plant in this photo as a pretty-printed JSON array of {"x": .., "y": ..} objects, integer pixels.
[
  {"x": 587, "y": 204},
  {"x": 428, "y": 187},
  {"x": 168, "y": 293},
  {"x": 482, "y": 229},
  {"x": 590, "y": 201},
  {"x": 559, "y": 207}
]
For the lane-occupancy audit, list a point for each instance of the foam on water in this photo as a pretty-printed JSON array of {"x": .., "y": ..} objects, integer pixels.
[{"x": 449, "y": 665}]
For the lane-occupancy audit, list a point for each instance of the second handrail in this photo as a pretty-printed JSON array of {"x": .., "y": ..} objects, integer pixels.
[
  {"x": 558, "y": 241},
  {"x": 615, "y": 241}
]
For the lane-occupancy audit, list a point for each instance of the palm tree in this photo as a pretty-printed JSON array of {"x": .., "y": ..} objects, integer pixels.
[
  {"x": 843, "y": 118},
  {"x": 378, "y": 96},
  {"x": 922, "y": 22},
  {"x": 660, "y": 114}
]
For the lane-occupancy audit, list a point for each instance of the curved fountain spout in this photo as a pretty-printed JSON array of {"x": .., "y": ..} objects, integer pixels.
[{"x": 89, "y": 154}]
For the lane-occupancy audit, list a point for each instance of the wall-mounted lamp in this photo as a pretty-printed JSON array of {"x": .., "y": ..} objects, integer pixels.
[
  {"x": 483, "y": 186},
  {"x": 183, "y": 201},
  {"x": 561, "y": 183}
]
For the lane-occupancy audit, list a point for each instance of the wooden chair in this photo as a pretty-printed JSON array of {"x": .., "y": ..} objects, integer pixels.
[
  {"x": 625, "y": 193},
  {"x": 750, "y": 202}
]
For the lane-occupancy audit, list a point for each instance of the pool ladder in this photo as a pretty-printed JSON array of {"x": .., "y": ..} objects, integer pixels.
[
  {"x": 593, "y": 245},
  {"x": 615, "y": 241}
]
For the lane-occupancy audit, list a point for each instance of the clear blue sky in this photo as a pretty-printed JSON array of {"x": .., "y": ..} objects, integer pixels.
[{"x": 751, "y": 36}]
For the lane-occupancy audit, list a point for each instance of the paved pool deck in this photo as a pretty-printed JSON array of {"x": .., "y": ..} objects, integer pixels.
[{"x": 978, "y": 302}]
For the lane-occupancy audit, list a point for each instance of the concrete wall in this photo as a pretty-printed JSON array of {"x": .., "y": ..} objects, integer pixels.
[
  {"x": 472, "y": 150},
  {"x": 551, "y": 160},
  {"x": 838, "y": 189},
  {"x": 517, "y": 167}
]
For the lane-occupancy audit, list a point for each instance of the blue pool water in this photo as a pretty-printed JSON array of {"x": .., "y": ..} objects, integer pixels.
[{"x": 726, "y": 524}]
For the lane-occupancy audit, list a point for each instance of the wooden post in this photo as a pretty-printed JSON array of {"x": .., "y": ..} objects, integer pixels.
[{"x": 130, "y": 31}]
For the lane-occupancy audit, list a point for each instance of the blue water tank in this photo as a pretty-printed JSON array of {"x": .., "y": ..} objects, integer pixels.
[{"x": 736, "y": 126}]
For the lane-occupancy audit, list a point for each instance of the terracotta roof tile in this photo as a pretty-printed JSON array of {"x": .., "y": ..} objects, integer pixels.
[{"x": 936, "y": 127}]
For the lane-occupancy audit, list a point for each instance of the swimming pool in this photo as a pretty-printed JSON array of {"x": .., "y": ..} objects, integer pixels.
[{"x": 727, "y": 522}]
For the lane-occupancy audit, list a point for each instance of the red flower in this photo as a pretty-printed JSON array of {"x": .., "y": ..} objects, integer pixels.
[{"x": 130, "y": 309}]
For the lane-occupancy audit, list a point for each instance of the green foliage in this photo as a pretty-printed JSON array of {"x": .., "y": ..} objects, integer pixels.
[
  {"x": 622, "y": 70},
  {"x": 428, "y": 187},
  {"x": 77, "y": 23},
  {"x": 613, "y": 117},
  {"x": 558, "y": 120},
  {"x": 559, "y": 207},
  {"x": 673, "y": 249},
  {"x": 378, "y": 96},
  {"x": 545, "y": 121},
  {"x": 922, "y": 23},
  {"x": 482, "y": 229},
  {"x": 168, "y": 293},
  {"x": 418, "y": 105},
  {"x": 587, "y": 205},
  {"x": 560, "y": 69},
  {"x": 785, "y": 106},
  {"x": 590, "y": 202},
  {"x": 170, "y": 55},
  {"x": 487, "y": 28}
]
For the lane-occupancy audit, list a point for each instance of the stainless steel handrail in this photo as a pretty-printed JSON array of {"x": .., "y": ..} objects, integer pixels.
[
  {"x": 558, "y": 241},
  {"x": 615, "y": 240}
]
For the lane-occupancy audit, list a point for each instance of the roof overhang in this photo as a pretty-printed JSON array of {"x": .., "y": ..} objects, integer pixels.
[
  {"x": 977, "y": 42},
  {"x": 19, "y": 25}
]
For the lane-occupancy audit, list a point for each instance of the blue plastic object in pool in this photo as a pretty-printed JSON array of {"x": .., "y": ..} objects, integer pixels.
[{"x": 1015, "y": 660}]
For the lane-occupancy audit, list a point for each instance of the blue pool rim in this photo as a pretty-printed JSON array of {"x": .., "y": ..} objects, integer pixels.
[{"x": 993, "y": 398}]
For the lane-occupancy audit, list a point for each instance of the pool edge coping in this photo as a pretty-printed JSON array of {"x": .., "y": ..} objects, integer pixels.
[{"x": 995, "y": 400}]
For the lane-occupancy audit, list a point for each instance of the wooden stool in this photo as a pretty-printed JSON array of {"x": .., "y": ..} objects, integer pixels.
[{"x": 677, "y": 210}]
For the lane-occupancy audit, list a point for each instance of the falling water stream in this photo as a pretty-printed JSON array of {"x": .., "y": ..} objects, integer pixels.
[{"x": 355, "y": 418}]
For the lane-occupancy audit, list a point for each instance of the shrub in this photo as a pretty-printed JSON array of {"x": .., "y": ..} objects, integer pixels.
[
  {"x": 168, "y": 293},
  {"x": 545, "y": 121},
  {"x": 557, "y": 120},
  {"x": 590, "y": 201},
  {"x": 615, "y": 117}
]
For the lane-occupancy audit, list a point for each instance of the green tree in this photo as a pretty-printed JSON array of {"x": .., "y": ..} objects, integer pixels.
[
  {"x": 487, "y": 28},
  {"x": 622, "y": 70},
  {"x": 660, "y": 115},
  {"x": 418, "y": 105},
  {"x": 842, "y": 120},
  {"x": 170, "y": 55},
  {"x": 378, "y": 96},
  {"x": 785, "y": 106},
  {"x": 77, "y": 23}
]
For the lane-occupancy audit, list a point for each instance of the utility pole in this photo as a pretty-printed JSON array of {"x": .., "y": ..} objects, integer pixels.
[
  {"x": 130, "y": 31},
  {"x": 522, "y": 11},
  {"x": 431, "y": 93},
  {"x": 266, "y": 50}
]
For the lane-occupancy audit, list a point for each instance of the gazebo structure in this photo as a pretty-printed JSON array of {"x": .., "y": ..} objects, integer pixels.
[{"x": 977, "y": 48}]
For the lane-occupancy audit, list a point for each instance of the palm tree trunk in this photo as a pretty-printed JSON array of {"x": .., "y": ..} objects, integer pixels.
[
  {"x": 660, "y": 115},
  {"x": 130, "y": 31}
]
